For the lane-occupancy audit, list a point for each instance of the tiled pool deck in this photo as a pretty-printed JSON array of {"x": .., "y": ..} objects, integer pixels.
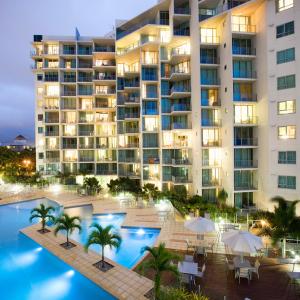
[{"x": 121, "y": 282}]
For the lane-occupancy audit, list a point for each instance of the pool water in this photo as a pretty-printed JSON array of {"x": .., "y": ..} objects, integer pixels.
[
  {"x": 30, "y": 272},
  {"x": 133, "y": 239}
]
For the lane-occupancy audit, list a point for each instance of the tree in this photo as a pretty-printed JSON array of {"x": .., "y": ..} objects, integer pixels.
[
  {"x": 283, "y": 223},
  {"x": 92, "y": 186},
  {"x": 222, "y": 197},
  {"x": 159, "y": 262},
  {"x": 150, "y": 190},
  {"x": 67, "y": 224},
  {"x": 44, "y": 214},
  {"x": 103, "y": 236},
  {"x": 122, "y": 185}
]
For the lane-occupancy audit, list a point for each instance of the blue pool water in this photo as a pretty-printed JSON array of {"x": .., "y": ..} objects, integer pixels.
[
  {"x": 29, "y": 272},
  {"x": 133, "y": 239}
]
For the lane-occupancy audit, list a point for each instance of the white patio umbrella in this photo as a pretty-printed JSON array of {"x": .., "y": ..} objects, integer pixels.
[
  {"x": 200, "y": 225},
  {"x": 242, "y": 241}
]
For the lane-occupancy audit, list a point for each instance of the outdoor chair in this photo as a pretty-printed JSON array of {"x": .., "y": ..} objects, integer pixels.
[
  {"x": 244, "y": 273},
  {"x": 189, "y": 245},
  {"x": 184, "y": 278},
  {"x": 201, "y": 251},
  {"x": 255, "y": 268},
  {"x": 230, "y": 265},
  {"x": 188, "y": 258},
  {"x": 200, "y": 273}
]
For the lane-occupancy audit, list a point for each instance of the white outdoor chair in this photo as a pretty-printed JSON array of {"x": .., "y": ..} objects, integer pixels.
[
  {"x": 244, "y": 273},
  {"x": 230, "y": 265},
  {"x": 255, "y": 268},
  {"x": 189, "y": 245},
  {"x": 201, "y": 251}
]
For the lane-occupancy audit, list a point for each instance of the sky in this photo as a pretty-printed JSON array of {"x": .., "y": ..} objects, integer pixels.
[{"x": 19, "y": 21}]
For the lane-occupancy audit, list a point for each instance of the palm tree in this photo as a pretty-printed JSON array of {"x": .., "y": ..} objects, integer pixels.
[
  {"x": 150, "y": 190},
  {"x": 160, "y": 262},
  {"x": 283, "y": 223},
  {"x": 44, "y": 214},
  {"x": 103, "y": 236},
  {"x": 67, "y": 224},
  {"x": 92, "y": 186},
  {"x": 222, "y": 197}
]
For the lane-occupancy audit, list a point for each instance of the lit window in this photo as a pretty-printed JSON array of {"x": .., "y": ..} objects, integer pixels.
[
  {"x": 151, "y": 123},
  {"x": 242, "y": 24},
  {"x": 69, "y": 130},
  {"x": 210, "y": 137},
  {"x": 244, "y": 114},
  {"x": 287, "y": 132},
  {"x": 282, "y": 5},
  {"x": 40, "y": 91},
  {"x": 53, "y": 49},
  {"x": 52, "y": 90},
  {"x": 165, "y": 36},
  {"x": 286, "y": 107},
  {"x": 149, "y": 58},
  {"x": 209, "y": 35}
]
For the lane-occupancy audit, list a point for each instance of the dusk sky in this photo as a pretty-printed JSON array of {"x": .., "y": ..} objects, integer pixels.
[{"x": 19, "y": 20}]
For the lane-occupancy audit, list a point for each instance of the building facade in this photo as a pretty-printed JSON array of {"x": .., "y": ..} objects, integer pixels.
[{"x": 200, "y": 94}]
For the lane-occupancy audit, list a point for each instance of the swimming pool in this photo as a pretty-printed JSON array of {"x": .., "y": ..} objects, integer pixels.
[
  {"x": 30, "y": 272},
  {"x": 133, "y": 239}
]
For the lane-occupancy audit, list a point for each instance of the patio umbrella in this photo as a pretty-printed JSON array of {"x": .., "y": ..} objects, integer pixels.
[
  {"x": 242, "y": 241},
  {"x": 200, "y": 225}
]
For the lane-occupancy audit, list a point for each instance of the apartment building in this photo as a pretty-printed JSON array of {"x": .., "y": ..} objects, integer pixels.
[{"x": 200, "y": 94}]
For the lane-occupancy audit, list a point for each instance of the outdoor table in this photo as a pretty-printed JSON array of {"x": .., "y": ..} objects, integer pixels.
[
  {"x": 241, "y": 264},
  {"x": 292, "y": 261},
  {"x": 188, "y": 267}
]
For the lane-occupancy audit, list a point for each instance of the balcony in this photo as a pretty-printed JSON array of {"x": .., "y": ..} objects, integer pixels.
[
  {"x": 243, "y": 51},
  {"x": 180, "y": 108},
  {"x": 151, "y": 160},
  {"x": 212, "y": 143},
  {"x": 181, "y": 161},
  {"x": 180, "y": 91},
  {"x": 246, "y": 142},
  {"x": 211, "y": 182},
  {"x": 85, "y": 133},
  {"x": 181, "y": 31},
  {"x": 85, "y": 65},
  {"x": 105, "y": 76},
  {"x": 209, "y": 60},
  {"x": 104, "y": 48},
  {"x": 84, "y": 51},
  {"x": 182, "y": 11},
  {"x": 245, "y": 164},
  {"x": 85, "y": 78},
  {"x": 181, "y": 179},
  {"x": 210, "y": 81},
  {"x": 132, "y": 115},
  {"x": 132, "y": 100},
  {"x": 86, "y": 159},
  {"x": 106, "y": 172},
  {"x": 210, "y": 40},
  {"x": 246, "y": 186},
  {"x": 244, "y": 75},
  {"x": 248, "y": 120},
  {"x": 129, "y": 159},
  {"x": 210, "y": 102},
  {"x": 109, "y": 91},
  {"x": 210, "y": 122},
  {"x": 179, "y": 126},
  {"x": 238, "y": 97},
  {"x": 243, "y": 28},
  {"x": 52, "y": 133},
  {"x": 130, "y": 145}
]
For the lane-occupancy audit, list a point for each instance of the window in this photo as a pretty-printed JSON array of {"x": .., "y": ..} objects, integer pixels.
[
  {"x": 285, "y": 29},
  {"x": 39, "y": 77},
  {"x": 241, "y": 24},
  {"x": 287, "y": 157},
  {"x": 287, "y": 182},
  {"x": 40, "y": 117},
  {"x": 282, "y": 5},
  {"x": 286, "y": 82},
  {"x": 286, "y": 107},
  {"x": 285, "y": 56},
  {"x": 41, "y": 155},
  {"x": 40, "y": 129},
  {"x": 209, "y": 35},
  {"x": 287, "y": 132}
]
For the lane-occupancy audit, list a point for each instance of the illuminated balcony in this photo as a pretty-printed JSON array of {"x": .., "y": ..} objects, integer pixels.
[{"x": 245, "y": 180}]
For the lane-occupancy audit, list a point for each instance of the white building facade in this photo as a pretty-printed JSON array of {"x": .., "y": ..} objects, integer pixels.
[{"x": 200, "y": 94}]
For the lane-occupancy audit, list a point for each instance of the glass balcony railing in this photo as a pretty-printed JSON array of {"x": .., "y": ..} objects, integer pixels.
[
  {"x": 180, "y": 89},
  {"x": 243, "y": 28},
  {"x": 104, "y": 48},
  {"x": 244, "y": 97},
  {"x": 243, "y": 51},
  {"x": 249, "y": 120},
  {"x": 181, "y": 179},
  {"x": 179, "y": 125},
  {"x": 85, "y": 133},
  {"x": 245, "y": 141},
  {"x": 209, "y": 81},
  {"x": 209, "y": 60},
  {"x": 210, "y": 102},
  {"x": 210, "y": 40},
  {"x": 132, "y": 115},
  {"x": 210, "y": 182},
  {"x": 180, "y": 107},
  {"x": 212, "y": 143},
  {"x": 129, "y": 159},
  {"x": 128, "y": 173},
  {"x": 249, "y": 163},
  {"x": 245, "y": 186},
  {"x": 105, "y": 76},
  {"x": 181, "y": 161},
  {"x": 248, "y": 74},
  {"x": 210, "y": 122},
  {"x": 182, "y": 11},
  {"x": 181, "y": 31}
]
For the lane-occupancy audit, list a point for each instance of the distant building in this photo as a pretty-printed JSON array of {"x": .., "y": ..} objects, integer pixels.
[{"x": 20, "y": 143}]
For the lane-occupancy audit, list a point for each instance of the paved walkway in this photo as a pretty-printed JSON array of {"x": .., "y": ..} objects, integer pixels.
[{"x": 119, "y": 281}]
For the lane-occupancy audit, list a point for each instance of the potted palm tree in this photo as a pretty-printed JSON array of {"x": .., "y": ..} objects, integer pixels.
[
  {"x": 44, "y": 214},
  {"x": 283, "y": 223},
  {"x": 160, "y": 261},
  {"x": 92, "y": 186},
  {"x": 103, "y": 236},
  {"x": 151, "y": 191},
  {"x": 67, "y": 224}
]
